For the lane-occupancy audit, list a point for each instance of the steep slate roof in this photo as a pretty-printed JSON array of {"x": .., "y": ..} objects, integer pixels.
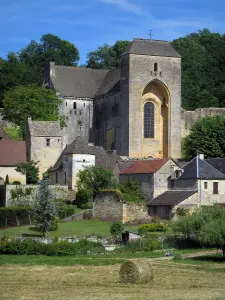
[
  {"x": 151, "y": 47},
  {"x": 77, "y": 82},
  {"x": 217, "y": 163},
  {"x": 12, "y": 152},
  {"x": 145, "y": 166},
  {"x": 206, "y": 171},
  {"x": 110, "y": 84},
  {"x": 45, "y": 128},
  {"x": 79, "y": 146},
  {"x": 170, "y": 198}
]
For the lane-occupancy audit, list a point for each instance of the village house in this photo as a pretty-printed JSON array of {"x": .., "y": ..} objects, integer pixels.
[
  {"x": 199, "y": 184},
  {"x": 11, "y": 153}
]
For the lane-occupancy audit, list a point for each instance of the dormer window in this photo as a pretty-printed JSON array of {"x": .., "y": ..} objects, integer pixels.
[{"x": 155, "y": 67}]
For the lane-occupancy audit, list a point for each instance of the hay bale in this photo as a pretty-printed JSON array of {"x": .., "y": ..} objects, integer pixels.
[{"x": 136, "y": 271}]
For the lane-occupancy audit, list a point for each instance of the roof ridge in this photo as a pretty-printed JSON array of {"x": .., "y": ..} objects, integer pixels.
[
  {"x": 82, "y": 68},
  {"x": 142, "y": 39}
]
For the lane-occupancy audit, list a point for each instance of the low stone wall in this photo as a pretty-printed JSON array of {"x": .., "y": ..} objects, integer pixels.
[
  {"x": 83, "y": 215},
  {"x": 111, "y": 206},
  {"x": 7, "y": 191}
]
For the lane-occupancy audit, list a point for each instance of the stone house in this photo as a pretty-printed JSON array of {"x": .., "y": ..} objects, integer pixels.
[
  {"x": 135, "y": 110},
  {"x": 199, "y": 184},
  {"x": 44, "y": 142},
  {"x": 11, "y": 153},
  {"x": 154, "y": 175},
  {"x": 75, "y": 157}
]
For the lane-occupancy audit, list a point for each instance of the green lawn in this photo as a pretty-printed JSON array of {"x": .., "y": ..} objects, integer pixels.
[
  {"x": 73, "y": 228},
  {"x": 13, "y": 133}
]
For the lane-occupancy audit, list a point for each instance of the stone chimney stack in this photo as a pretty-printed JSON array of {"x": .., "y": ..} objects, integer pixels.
[{"x": 52, "y": 69}]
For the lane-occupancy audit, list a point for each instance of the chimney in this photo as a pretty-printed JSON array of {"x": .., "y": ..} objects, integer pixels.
[
  {"x": 52, "y": 68},
  {"x": 201, "y": 156}
]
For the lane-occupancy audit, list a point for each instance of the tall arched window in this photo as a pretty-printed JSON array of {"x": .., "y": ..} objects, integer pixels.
[
  {"x": 155, "y": 67},
  {"x": 149, "y": 120}
]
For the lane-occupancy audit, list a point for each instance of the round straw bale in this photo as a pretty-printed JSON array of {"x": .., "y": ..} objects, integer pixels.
[{"x": 136, "y": 271}]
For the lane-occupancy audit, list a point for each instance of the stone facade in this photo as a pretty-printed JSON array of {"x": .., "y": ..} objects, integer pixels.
[
  {"x": 109, "y": 206},
  {"x": 44, "y": 141},
  {"x": 189, "y": 118},
  {"x": 59, "y": 192}
]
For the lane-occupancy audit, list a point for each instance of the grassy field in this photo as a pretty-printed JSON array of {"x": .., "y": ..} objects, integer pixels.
[
  {"x": 173, "y": 281},
  {"x": 73, "y": 228}
]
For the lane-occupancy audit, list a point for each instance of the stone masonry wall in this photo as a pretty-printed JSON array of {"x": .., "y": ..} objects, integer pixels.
[
  {"x": 109, "y": 206},
  {"x": 59, "y": 192},
  {"x": 189, "y": 118}
]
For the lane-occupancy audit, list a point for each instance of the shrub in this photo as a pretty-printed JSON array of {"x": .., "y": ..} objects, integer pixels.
[
  {"x": 178, "y": 256},
  {"x": 145, "y": 244},
  {"x": 61, "y": 248},
  {"x": 153, "y": 227},
  {"x": 132, "y": 190},
  {"x": 15, "y": 215},
  {"x": 83, "y": 197},
  {"x": 16, "y": 182},
  {"x": 65, "y": 210},
  {"x": 116, "y": 230}
]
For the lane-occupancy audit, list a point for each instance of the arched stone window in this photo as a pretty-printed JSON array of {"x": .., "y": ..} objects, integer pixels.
[{"x": 149, "y": 120}]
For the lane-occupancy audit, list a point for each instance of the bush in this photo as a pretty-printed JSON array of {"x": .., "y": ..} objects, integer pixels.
[
  {"x": 116, "y": 230},
  {"x": 62, "y": 248},
  {"x": 178, "y": 256},
  {"x": 153, "y": 227},
  {"x": 15, "y": 215},
  {"x": 131, "y": 190},
  {"x": 83, "y": 197},
  {"x": 16, "y": 182},
  {"x": 65, "y": 210},
  {"x": 145, "y": 244}
]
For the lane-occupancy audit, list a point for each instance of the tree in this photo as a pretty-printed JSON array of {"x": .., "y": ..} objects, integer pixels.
[
  {"x": 207, "y": 137},
  {"x": 95, "y": 178},
  {"x": 22, "y": 102},
  {"x": 106, "y": 56},
  {"x": 131, "y": 188},
  {"x": 45, "y": 214},
  {"x": 30, "y": 170},
  {"x": 207, "y": 225}
]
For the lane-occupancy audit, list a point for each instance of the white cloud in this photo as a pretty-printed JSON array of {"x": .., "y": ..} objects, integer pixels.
[{"x": 127, "y": 6}]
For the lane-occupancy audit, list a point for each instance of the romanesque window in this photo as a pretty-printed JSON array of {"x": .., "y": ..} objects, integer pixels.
[
  {"x": 149, "y": 120},
  {"x": 74, "y": 105},
  {"x": 47, "y": 142},
  {"x": 155, "y": 67}
]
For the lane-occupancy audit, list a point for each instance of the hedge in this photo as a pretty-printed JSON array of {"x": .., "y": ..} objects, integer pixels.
[
  {"x": 62, "y": 248},
  {"x": 18, "y": 215},
  {"x": 153, "y": 227}
]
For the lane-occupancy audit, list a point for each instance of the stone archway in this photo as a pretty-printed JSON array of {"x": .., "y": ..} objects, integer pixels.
[{"x": 157, "y": 93}]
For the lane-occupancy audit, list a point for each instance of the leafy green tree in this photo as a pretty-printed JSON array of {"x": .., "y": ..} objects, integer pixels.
[
  {"x": 45, "y": 213},
  {"x": 207, "y": 137},
  {"x": 206, "y": 225},
  {"x": 29, "y": 169},
  {"x": 83, "y": 197},
  {"x": 22, "y": 102},
  {"x": 95, "y": 178},
  {"x": 106, "y": 56},
  {"x": 131, "y": 188}
]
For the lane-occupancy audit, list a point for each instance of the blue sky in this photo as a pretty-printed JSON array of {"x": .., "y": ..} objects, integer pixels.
[{"x": 91, "y": 23}]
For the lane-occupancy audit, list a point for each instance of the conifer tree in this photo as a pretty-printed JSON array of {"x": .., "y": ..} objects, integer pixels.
[{"x": 45, "y": 211}]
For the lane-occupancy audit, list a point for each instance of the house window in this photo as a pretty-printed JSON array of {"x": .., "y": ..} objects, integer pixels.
[
  {"x": 216, "y": 188},
  {"x": 56, "y": 178},
  {"x": 155, "y": 67},
  {"x": 74, "y": 105},
  {"x": 83, "y": 160},
  {"x": 149, "y": 111},
  {"x": 64, "y": 177},
  {"x": 80, "y": 128},
  {"x": 66, "y": 103},
  {"x": 84, "y": 104},
  {"x": 47, "y": 142},
  {"x": 205, "y": 185}
]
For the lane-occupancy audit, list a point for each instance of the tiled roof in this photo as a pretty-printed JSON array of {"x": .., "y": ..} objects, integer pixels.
[
  {"x": 110, "y": 84},
  {"x": 77, "y": 82},
  {"x": 12, "y": 152},
  {"x": 151, "y": 47},
  {"x": 45, "y": 128},
  {"x": 145, "y": 166},
  {"x": 79, "y": 146},
  {"x": 170, "y": 198},
  {"x": 206, "y": 171},
  {"x": 217, "y": 163}
]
